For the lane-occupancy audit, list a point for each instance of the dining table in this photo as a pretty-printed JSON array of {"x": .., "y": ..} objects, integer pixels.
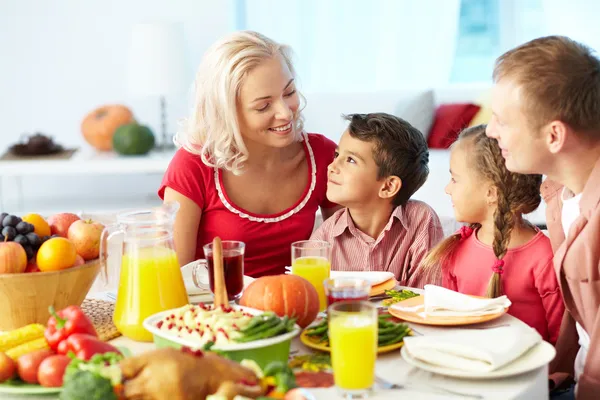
[{"x": 396, "y": 378}]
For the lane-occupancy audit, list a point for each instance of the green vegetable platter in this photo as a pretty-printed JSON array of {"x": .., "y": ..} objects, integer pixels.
[
  {"x": 396, "y": 296},
  {"x": 390, "y": 334},
  {"x": 249, "y": 334},
  {"x": 19, "y": 387},
  {"x": 74, "y": 389}
]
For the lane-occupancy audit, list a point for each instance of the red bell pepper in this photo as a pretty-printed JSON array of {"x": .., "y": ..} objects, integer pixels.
[
  {"x": 85, "y": 346},
  {"x": 66, "y": 322}
]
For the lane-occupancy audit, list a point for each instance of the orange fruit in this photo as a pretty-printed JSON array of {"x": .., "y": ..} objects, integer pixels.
[
  {"x": 42, "y": 228},
  {"x": 56, "y": 254}
]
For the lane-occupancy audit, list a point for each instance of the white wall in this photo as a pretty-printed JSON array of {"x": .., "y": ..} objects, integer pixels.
[{"x": 59, "y": 59}]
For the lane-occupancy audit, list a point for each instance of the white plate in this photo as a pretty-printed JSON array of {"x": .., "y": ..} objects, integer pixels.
[
  {"x": 374, "y": 277},
  {"x": 151, "y": 321},
  {"x": 196, "y": 294},
  {"x": 534, "y": 358}
]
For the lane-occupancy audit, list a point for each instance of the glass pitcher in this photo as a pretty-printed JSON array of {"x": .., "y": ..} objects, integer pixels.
[{"x": 150, "y": 276}]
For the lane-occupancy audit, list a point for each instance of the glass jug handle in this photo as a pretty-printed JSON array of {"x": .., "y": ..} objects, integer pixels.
[
  {"x": 200, "y": 274},
  {"x": 107, "y": 234}
]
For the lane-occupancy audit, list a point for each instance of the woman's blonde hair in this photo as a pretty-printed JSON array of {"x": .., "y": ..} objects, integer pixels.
[
  {"x": 518, "y": 194},
  {"x": 212, "y": 129}
]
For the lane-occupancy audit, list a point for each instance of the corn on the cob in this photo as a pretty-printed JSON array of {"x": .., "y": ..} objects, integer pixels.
[
  {"x": 22, "y": 335},
  {"x": 29, "y": 347}
]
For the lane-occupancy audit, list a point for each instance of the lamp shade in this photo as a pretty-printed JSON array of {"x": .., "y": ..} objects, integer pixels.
[{"x": 157, "y": 64}]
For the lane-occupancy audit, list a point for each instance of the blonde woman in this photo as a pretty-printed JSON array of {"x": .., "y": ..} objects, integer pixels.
[{"x": 246, "y": 170}]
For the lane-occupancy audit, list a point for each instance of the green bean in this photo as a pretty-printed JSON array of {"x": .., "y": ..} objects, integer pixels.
[
  {"x": 267, "y": 333},
  {"x": 290, "y": 324},
  {"x": 317, "y": 331},
  {"x": 390, "y": 331},
  {"x": 257, "y": 320},
  {"x": 395, "y": 339},
  {"x": 263, "y": 326},
  {"x": 386, "y": 324}
]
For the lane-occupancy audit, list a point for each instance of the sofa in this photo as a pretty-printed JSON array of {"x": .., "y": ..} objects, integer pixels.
[{"x": 323, "y": 112}]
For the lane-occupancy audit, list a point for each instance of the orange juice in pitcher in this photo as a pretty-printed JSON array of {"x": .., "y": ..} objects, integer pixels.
[{"x": 150, "y": 276}]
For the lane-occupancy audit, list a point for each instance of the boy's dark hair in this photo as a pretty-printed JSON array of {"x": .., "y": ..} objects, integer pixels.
[{"x": 400, "y": 150}]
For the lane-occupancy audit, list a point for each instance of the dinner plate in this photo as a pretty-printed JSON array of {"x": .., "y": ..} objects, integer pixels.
[
  {"x": 536, "y": 357},
  {"x": 382, "y": 287},
  {"x": 21, "y": 388},
  {"x": 308, "y": 341},
  {"x": 373, "y": 277},
  {"x": 413, "y": 316},
  {"x": 314, "y": 343}
]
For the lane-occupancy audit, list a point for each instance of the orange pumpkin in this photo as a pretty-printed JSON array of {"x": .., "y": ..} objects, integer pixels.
[
  {"x": 99, "y": 126},
  {"x": 289, "y": 295}
]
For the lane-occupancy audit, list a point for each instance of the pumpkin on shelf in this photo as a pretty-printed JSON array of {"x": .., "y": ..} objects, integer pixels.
[
  {"x": 99, "y": 126},
  {"x": 289, "y": 295}
]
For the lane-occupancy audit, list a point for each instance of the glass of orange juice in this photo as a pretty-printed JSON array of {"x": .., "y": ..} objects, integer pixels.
[
  {"x": 311, "y": 259},
  {"x": 353, "y": 341}
]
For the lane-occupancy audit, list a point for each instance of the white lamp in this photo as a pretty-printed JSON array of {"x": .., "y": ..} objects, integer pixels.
[{"x": 157, "y": 66}]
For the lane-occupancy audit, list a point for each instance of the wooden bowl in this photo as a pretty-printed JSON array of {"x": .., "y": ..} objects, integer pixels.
[{"x": 25, "y": 298}]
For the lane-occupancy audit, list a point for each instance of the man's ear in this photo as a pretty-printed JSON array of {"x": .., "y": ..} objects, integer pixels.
[
  {"x": 390, "y": 187},
  {"x": 556, "y": 134}
]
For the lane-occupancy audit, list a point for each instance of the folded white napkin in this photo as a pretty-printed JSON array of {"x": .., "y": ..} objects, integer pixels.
[
  {"x": 442, "y": 302},
  {"x": 473, "y": 349}
]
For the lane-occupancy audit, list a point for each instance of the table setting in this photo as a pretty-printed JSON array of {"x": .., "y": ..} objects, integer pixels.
[
  {"x": 376, "y": 338},
  {"x": 397, "y": 374}
]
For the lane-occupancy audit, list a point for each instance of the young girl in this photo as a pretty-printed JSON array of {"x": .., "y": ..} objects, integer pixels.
[{"x": 498, "y": 252}]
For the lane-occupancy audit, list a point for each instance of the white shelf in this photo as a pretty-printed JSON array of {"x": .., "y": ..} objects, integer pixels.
[
  {"x": 88, "y": 206},
  {"x": 88, "y": 162}
]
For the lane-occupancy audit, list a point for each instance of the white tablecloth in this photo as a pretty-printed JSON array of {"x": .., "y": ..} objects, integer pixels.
[{"x": 392, "y": 368}]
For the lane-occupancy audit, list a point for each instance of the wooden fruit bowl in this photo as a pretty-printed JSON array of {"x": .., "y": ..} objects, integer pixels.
[{"x": 25, "y": 298}]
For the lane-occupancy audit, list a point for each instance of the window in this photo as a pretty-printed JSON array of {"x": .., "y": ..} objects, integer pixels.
[
  {"x": 486, "y": 29},
  {"x": 391, "y": 44}
]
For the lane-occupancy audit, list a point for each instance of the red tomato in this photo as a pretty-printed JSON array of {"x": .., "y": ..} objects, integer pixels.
[
  {"x": 8, "y": 368},
  {"x": 28, "y": 365},
  {"x": 52, "y": 370}
]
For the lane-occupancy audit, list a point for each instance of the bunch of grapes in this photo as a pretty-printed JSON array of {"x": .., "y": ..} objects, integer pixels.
[{"x": 12, "y": 228}]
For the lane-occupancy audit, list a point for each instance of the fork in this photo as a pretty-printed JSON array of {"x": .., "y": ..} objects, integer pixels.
[{"x": 423, "y": 388}]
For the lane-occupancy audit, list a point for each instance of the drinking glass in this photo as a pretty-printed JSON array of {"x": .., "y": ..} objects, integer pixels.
[
  {"x": 353, "y": 341},
  {"x": 346, "y": 289},
  {"x": 311, "y": 259},
  {"x": 233, "y": 268}
]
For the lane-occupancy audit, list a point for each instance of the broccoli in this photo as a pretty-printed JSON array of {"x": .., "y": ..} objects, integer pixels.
[
  {"x": 85, "y": 385},
  {"x": 105, "y": 365},
  {"x": 283, "y": 376}
]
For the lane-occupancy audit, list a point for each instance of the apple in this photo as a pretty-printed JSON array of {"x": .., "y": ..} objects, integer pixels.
[
  {"x": 79, "y": 261},
  {"x": 85, "y": 235},
  {"x": 13, "y": 259},
  {"x": 60, "y": 223},
  {"x": 32, "y": 267}
]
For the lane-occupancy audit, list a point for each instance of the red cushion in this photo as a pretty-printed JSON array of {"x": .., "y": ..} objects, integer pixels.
[{"x": 449, "y": 120}]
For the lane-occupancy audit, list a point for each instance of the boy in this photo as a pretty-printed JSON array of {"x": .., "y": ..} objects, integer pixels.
[{"x": 381, "y": 161}]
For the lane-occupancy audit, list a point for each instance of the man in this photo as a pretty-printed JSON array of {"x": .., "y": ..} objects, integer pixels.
[{"x": 546, "y": 118}]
